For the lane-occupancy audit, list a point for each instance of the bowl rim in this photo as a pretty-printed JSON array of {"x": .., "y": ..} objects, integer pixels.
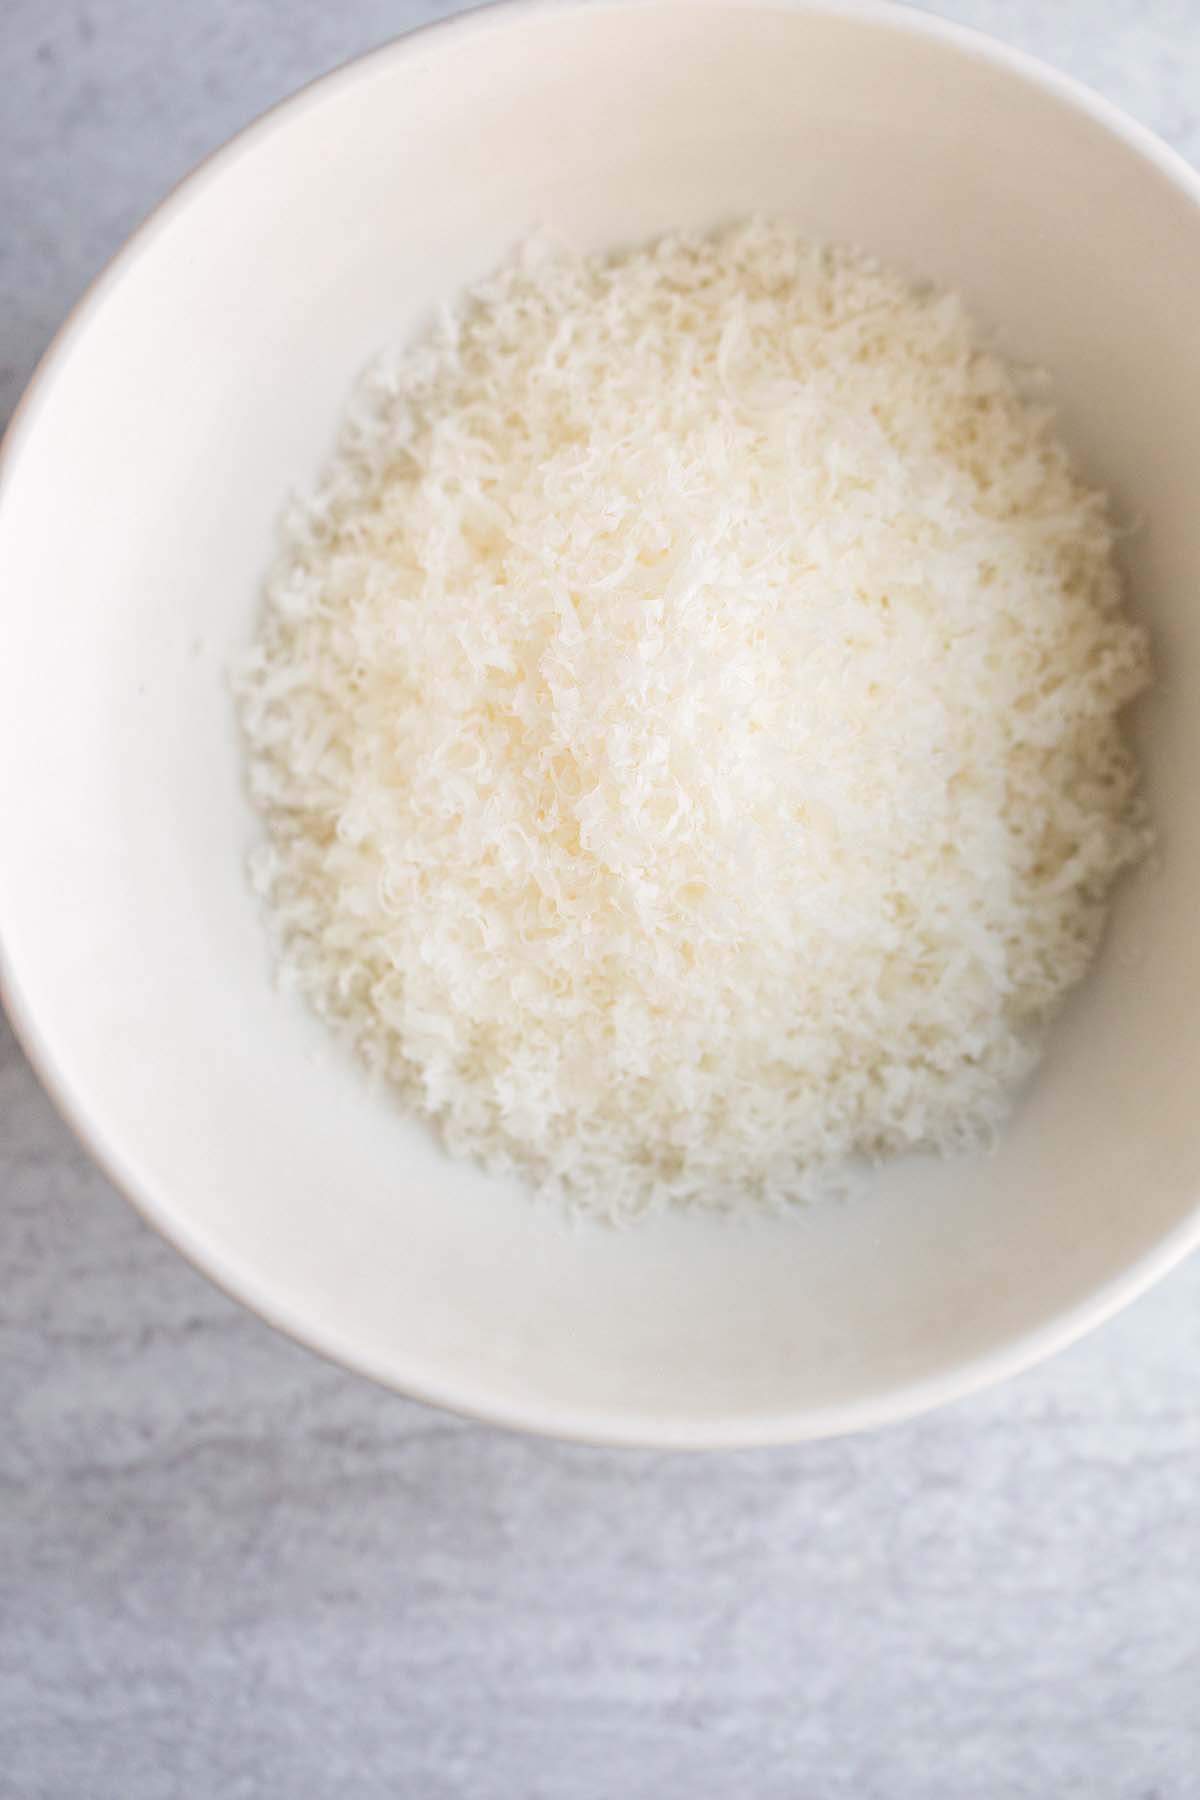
[{"x": 615, "y": 1428}]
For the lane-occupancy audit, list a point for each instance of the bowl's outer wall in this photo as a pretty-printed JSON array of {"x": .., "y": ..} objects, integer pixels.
[{"x": 204, "y": 378}]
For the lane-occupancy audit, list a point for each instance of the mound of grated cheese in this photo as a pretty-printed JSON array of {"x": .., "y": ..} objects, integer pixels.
[{"x": 686, "y": 723}]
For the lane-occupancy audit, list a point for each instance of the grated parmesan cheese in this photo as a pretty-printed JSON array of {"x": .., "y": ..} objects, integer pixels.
[{"x": 686, "y": 723}]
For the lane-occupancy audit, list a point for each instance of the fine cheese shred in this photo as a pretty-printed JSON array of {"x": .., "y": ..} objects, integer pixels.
[{"x": 685, "y": 720}]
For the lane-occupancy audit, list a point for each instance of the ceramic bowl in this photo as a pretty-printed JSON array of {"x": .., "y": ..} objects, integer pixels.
[{"x": 202, "y": 379}]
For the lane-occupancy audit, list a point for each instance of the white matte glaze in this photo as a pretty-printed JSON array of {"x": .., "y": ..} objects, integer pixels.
[{"x": 204, "y": 375}]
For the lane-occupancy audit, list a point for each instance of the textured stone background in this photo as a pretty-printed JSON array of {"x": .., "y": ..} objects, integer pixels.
[{"x": 228, "y": 1570}]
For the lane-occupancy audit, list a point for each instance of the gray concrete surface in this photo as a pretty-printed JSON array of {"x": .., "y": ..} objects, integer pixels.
[{"x": 228, "y": 1570}]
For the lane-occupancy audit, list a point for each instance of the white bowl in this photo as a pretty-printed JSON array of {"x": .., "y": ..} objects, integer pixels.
[{"x": 203, "y": 377}]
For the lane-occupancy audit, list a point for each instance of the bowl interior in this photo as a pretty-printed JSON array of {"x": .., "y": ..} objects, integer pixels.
[{"x": 205, "y": 378}]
